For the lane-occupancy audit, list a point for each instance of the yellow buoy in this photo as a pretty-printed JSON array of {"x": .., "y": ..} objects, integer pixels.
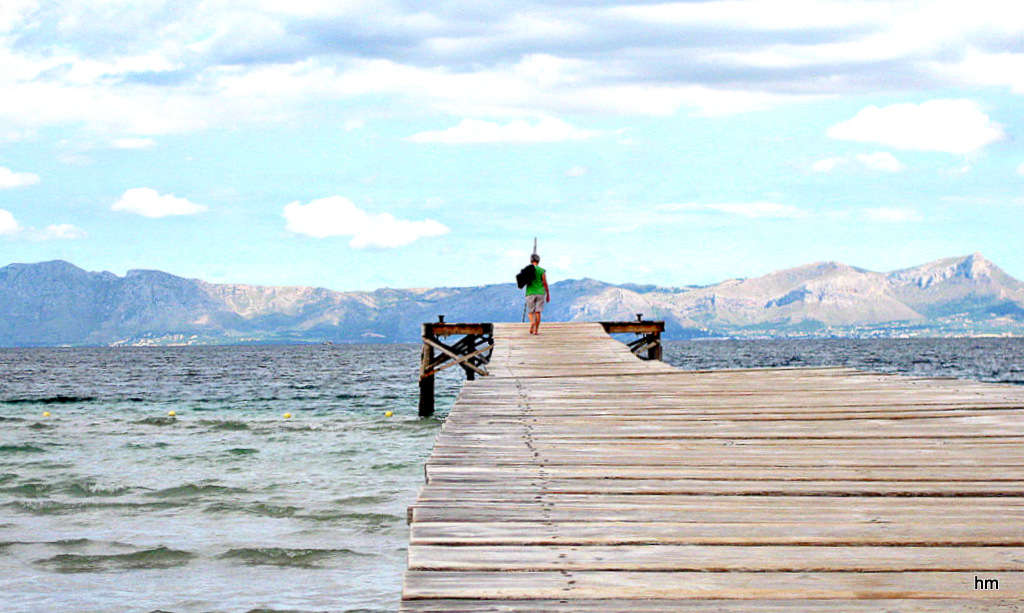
[
  {"x": 287, "y": 415},
  {"x": 46, "y": 413},
  {"x": 388, "y": 414},
  {"x": 171, "y": 413}
]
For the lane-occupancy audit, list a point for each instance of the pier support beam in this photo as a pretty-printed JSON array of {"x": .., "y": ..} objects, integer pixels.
[
  {"x": 426, "y": 382},
  {"x": 648, "y": 344},
  {"x": 471, "y": 353}
]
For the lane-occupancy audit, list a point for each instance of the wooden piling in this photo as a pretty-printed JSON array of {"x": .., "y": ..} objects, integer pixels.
[{"x": 426, "y": 380}]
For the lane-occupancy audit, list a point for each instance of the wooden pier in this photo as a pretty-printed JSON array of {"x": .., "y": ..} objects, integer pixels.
[{"x": 576, "y": 477}]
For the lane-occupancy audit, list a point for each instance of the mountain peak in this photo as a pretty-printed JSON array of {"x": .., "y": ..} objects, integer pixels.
[
  {"x": 976, "y": 264},
  {"x": 50, "y": 266},
  {"x": 973, "y": 267}
]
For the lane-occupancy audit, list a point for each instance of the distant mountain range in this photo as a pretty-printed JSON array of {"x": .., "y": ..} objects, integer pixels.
[{"x": 57, "y": 303}]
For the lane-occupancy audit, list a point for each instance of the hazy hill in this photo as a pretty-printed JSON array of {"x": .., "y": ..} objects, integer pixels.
[{"x": 57, "y": 303}]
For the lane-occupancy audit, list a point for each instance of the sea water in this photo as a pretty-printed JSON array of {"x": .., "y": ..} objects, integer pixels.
[{"x": 110, "y": 504}]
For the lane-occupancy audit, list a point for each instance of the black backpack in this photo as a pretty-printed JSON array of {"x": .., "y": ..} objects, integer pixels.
[{"x": 526, "y": 276}]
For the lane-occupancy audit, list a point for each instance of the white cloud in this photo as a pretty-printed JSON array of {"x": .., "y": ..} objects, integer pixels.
[
  {"x": 89, "y": 71},
  {"x": 1020, "y": 170},
  {"x": 576, "y": 171},
  {"x": 9, "y": 178},
  {"x": 8, "y": 225},
  {"x": 1001, "y": 69},
  {"x": 881, "y": 160},
  {"x": 133, "y": 143},
  {"x": 547, "y": 130},
  {"x": 756, "y": 15},
  {"x": 52, "y": 232},
  {"x": 949, "y": 126},
  {"x": 63, "y": 232},
  {"x": 828, "y": 164},
  {"x": 133, "y": 69},
  {"x": 12, "y": 13},
  {"x": 149, "y": 203},
  {"x": 751, "y": 210},
  {"x": 891, "y": 215},
  {"x": 337, "y": 216}
]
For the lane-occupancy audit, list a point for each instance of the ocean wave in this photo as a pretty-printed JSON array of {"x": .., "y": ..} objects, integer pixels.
[
  {"x": 390, "y": 466},
  {"x": 278, "y": 556},
  {"x": 370, "y": 522},
  {"x": 304, "y": 427},
  {"x": 5, "y": 544},
  {"x": 159, "y": 557},
  {"x": 370, "y": 499},
  {"x": 68, "y": 544},
  {"x": 157, "y": 421},
  {"x": 88, "y": 489},
  {"x": 7, "y": 477},
  {"x": 217, "y": 424},
  {"x": 72, "y": 543},
  {"x": 58, "y": 399},
  {"x": 242, "y": 451},
  {"x": 20, "y": 449},
  {"x": 156, "y": 445},
  {"x": 260, "y": 509},
  {"x": 193, "y": 490},
  {"x": 54, "y": 507},
  {"x": 30, "y": 490}
]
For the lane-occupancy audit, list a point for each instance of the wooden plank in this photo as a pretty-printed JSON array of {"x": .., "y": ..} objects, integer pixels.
[
  {"x": 633, "y": 327},
  {"x": 908, "y": 532},
  {"x": 719, "y": 558},
  {"x": 504, "y": 473},
  {"x": 449, "y": 329},
  {"x": 721, "y": 487},
  {"x": 553, "y": 509},
  {"x": 703, "y": 585}
]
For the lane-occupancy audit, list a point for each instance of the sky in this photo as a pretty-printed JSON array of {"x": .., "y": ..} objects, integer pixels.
[{"x": 359, "y": 144}]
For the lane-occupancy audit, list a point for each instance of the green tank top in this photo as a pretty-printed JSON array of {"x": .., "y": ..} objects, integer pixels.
[{"x": 536, "y": 287}]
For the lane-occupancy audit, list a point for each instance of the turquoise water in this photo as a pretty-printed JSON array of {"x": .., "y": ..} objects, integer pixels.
[{"x": 109, "y": 504}]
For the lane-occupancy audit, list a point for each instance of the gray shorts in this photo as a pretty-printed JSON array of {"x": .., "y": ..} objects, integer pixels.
[{"x": 535, "y": 303}]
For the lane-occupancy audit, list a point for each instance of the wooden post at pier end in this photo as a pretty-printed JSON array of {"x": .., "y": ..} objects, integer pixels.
[
  {"x": 471, "y": 352},
  {"x": 648, "y": 333}
]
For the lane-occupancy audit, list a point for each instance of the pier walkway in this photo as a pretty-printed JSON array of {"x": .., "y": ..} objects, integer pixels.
[{"x": 576, "y": 477}]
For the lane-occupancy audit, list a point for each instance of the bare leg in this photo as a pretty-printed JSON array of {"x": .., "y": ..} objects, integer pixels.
[
  {"x": 534, "y": 323},
  {"x": 536, "y": 326}
]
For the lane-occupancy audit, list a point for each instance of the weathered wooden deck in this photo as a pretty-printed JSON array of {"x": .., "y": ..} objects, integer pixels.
[{"x": 578, "y": 478}]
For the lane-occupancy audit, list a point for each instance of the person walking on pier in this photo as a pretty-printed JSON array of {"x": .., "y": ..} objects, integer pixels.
[{"x": 537, "y": 293}]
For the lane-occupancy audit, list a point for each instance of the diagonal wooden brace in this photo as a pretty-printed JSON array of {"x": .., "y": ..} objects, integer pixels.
[
  {"x": 467, "y": 347},
  {"x": 456, "y": 358}
]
